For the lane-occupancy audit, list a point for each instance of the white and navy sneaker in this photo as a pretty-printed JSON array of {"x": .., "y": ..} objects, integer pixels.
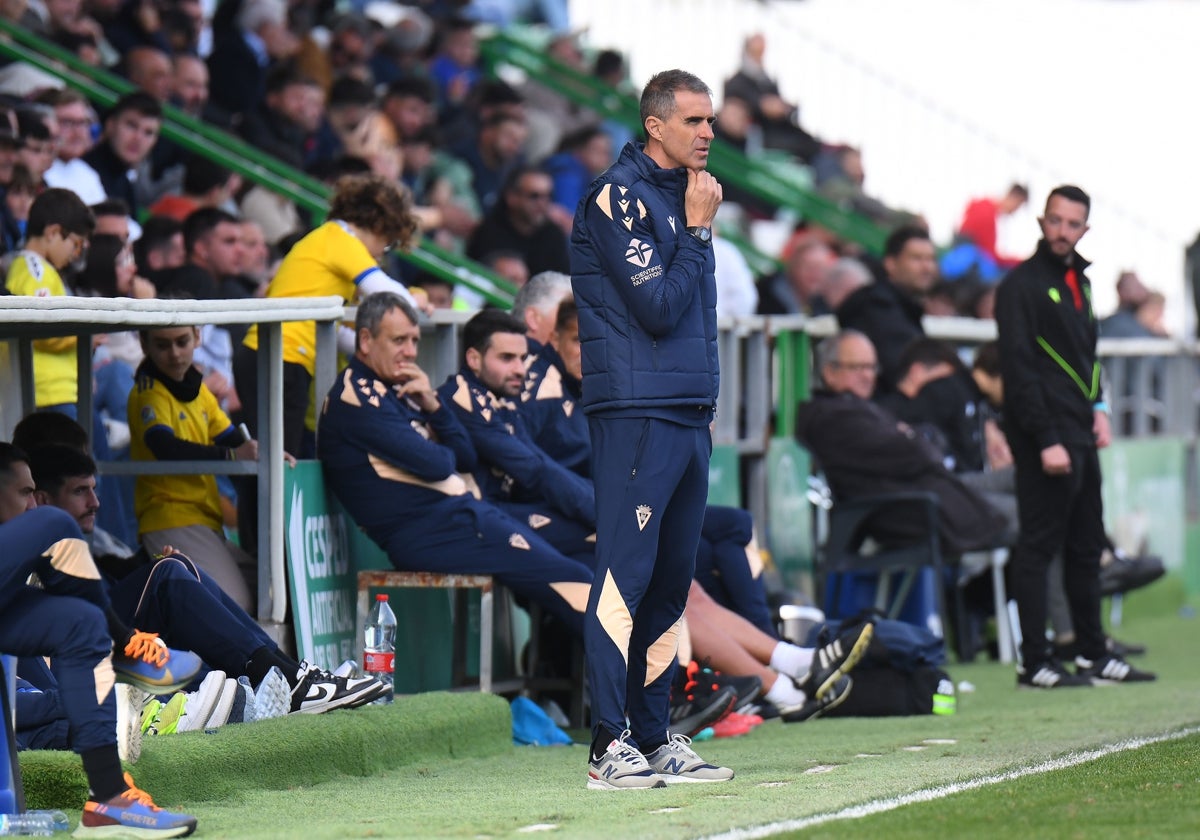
[
  {"x": 676, "y": 761},
  {"x": 1110, "y": 670},
  {"x": 1051, "y": 674},
  {"x": 622, "y": 767},
  {"x": 320, "y": 691}
]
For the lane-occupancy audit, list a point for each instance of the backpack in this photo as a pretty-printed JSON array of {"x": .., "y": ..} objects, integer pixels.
[{"x": 900, "y": 673}]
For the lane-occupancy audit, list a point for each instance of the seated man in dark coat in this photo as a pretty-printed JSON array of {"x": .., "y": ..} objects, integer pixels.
[{"x": 865, "y": 451}]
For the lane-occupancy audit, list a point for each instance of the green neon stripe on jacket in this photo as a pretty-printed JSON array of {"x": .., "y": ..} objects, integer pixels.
[{"x": 1062, "y": 363}]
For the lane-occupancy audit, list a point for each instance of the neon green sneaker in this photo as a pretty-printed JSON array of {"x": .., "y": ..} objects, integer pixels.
[{"x": 165, "y": 720}]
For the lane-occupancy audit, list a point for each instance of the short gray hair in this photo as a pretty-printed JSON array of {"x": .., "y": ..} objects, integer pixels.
[
  {"x": 829, "y": 351},
  {"x": 543, "y": 292},
  {"x": 254, "y": 13},
  {"x": 372, "y": 308},
  {"x": 658, "y": 97}
]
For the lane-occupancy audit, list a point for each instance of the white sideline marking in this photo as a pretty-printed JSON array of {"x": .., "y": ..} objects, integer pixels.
[
  {"x": 882, "y": 805},
  {"x": 529, "y": 829}
]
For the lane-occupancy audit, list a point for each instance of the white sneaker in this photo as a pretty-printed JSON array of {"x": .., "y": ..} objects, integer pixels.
[
  {"x": 201, "y": 703},
  {"x": 274, "y": 696},
  {"x": 129, "y": 721},
  {"x": 622, "y": 767},
  {"x": 676, "y": 761}
]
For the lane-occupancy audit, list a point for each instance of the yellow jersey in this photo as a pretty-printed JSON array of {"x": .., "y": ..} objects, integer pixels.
[
  {"x": 54, "y": 359},
  {"x": 328, "y": 261},
  {"x": 174, "y": 501}
]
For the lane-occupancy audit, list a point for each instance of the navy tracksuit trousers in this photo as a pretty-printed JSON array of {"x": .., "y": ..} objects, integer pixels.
[
  {"x": 463, "y": 535},
  {"x": 65, "y": 621},
  {"x": 723, "y": 566},
  {"x": 651, "y": 479}
]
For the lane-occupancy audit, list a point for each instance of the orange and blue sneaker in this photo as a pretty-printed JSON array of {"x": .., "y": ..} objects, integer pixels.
[
  {"x": 149, "y": 664},
  {"x": 132, "y": 814}
]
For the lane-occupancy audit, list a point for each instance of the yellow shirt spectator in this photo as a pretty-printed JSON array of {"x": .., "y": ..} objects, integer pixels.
[
  {"x": 174, "y": 501},
  {"x": 54, "y": 361}
]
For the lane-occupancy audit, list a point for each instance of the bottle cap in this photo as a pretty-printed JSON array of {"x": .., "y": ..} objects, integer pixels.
[{"x": 382, "y": 596}]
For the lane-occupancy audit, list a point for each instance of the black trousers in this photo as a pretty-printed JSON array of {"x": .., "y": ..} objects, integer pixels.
[
  {"x": 1058, "y": 513},
  {"x": 297, "y": 384}
]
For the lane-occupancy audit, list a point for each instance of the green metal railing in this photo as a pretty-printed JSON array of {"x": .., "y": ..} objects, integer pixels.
[
  {"x": 104, "y": 89},
  {"x": 759, "y": 177}
]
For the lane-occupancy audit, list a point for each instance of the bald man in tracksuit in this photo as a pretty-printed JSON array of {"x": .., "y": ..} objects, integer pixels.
[{"x": 643, "y": 275}]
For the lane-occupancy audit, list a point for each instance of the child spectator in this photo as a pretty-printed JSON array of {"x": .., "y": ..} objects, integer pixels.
[
  {"x": 58, "y": 229},
  {"x": 174, "y": 417}
]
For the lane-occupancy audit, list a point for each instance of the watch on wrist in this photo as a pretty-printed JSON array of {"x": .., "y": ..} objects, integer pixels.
[{"x": 702, "y": 233}]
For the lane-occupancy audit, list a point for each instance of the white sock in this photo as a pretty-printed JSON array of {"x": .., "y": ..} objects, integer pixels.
[
  {"x": 784, "y": 693},
  {"x": 791, "y": 659}
]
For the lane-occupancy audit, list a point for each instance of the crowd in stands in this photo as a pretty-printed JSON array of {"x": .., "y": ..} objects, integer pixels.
[{"x": 400, "y": 118}]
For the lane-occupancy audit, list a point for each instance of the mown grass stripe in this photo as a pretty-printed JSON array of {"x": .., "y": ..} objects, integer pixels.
[{"x": 942, "y": 791}]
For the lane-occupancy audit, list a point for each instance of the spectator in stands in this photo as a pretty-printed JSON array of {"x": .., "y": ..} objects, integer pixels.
[
  {"x": 351, "y": 43},
  {"x": 130, "y": 133},
  {"x": 777, "y": 118},
  {"x": 190, "y": 92},
  {"x": 10, "y": 145},
  {"x": 889, "y": 310},
  {"x": 56, "y": 235},
  {"x": 1151, "y": 312},
  {"x": 506, "y": 13},
  {"x": 394, "y": 456},
  {"x": 173, "y": 416},
  {"x": 72, "y": 28},
  {"x": 368, "y": 216},
  {"x": 75, "y": 120},
  {"x": 160, "y": 246},
  {"x": 206, "y": 183},
  {"x": 257, "y": 259},
  {"x": 149, "y": 69},
  {"x": 842, "y": 279},
  {"x": 582, "y": 155},
  {"x": 553, "y": 116},
  {"x": 350, "y": 102},
  {"x": 520, "y": 222},
  {"x": 166, "y": 593},
  {"x": 248, "y": 36},
  {"x": 130, "y": 25},
  {"x": 509, "y": 264},
  {"x": 410, "y": 103},
  {"x": 1124, "y": 323},
  {"x": 454, "y": 66},
  {"x": 438, "y": 290},
  {"x": 374, "y": 141},
  {"x": 609, "y": 67},
  {"x": 72, "y": 622},
  {"x": 112, "y": 219},
  {"x": 213, "y": 243},
  {"x": 402, "y": 46},
  {"x": 19, "y": 194},
  {"x": 442, "y": 182},
  {"x": 839, "y": 175},
  {"x": 981, "y": 218},
  {"x": 285, "y": 124},
  {"x": 797, "y": 289},
  {"x": 495, "y": 155},
  {"x": 39, "y": 140}
]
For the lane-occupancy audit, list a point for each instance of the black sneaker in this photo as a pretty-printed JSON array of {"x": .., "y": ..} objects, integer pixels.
[
  {"x": 698, "y": 704},
  {"x": 1123, "y": 650},
  {"x": 1110, "y": 669},
  {"x": 815, "y": 707},
  {"x": 835, "y": 660},
  {"x": 748, "y": 688},
  {"x": 320, "y": 691},
  {"x": 1052, "y": 674}
]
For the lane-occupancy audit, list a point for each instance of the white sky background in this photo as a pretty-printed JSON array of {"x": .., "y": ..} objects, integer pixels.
[{"x": 951, "y": 99}]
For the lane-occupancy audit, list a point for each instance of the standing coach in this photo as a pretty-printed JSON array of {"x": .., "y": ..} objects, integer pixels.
[{"x": 643, "y": 274}]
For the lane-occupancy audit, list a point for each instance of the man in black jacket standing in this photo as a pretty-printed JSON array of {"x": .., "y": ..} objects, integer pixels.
[{"x": 1056, "y": 420}]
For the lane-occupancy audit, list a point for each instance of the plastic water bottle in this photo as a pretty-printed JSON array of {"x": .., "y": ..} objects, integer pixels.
[
  {"x": 33, "y": 824},
  {"x": 379, "y": 644}
]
